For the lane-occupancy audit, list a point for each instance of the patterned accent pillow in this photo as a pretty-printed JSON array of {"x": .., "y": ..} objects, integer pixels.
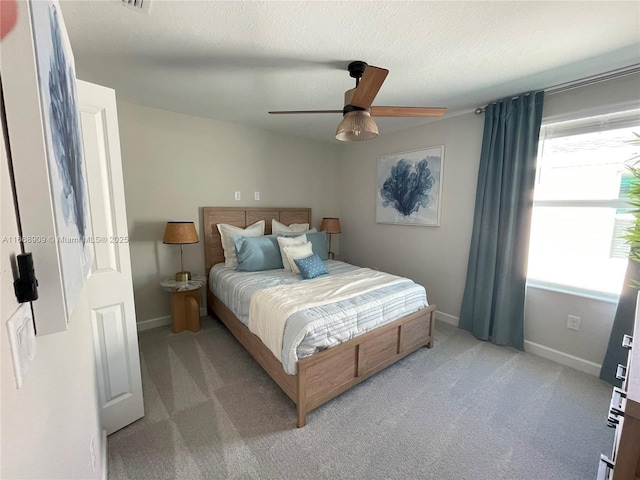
[{"x": 311, "y": 267}]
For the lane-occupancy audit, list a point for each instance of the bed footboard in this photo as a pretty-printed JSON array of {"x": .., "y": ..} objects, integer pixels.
[{"x": 331, "y": 372}]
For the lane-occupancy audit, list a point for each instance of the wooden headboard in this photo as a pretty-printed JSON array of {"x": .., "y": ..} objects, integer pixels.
[{"x": 242, "y": 217}]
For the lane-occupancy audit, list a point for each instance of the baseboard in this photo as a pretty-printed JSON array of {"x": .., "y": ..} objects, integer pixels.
[
  {"x": 540, "y": 350},
  {"x": 154, "y": 322},
  {"x": 161, "y": 321},
  {"x": 446, "y": 318},
  {"x": 563, "y": 358},
  {"x": 104, "y": 474},
  {"x": 545, "y": 352}
]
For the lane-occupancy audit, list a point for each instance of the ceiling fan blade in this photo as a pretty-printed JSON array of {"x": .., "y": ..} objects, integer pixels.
[
  {"x": 407, "y": 111},
  {"x": 368, "y": 87},
  {"x": 287, "y": 112}
]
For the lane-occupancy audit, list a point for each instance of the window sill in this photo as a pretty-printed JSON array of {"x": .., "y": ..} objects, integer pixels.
[{"x": 576, "y": 292}]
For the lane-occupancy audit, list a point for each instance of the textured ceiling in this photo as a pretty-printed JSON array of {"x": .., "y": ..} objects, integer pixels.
[{"x": 236, "y": 60}]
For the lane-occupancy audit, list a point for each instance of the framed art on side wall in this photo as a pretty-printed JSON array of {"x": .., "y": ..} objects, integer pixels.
[
  {"x": 67, "y": 177},
  {"x": 409, "y": 188},
  {"x": 39, "y": 90}
]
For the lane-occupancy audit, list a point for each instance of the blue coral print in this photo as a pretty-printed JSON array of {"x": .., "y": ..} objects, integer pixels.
[
  {"x": 65, "y": 131},
  {"x": 407, "y": 188},
  {"x": 61, "y": 126}
]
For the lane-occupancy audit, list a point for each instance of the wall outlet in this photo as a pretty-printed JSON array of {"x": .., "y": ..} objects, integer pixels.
[
  {"x": 238, "y": 196},
  {"x": 256, "y": 195},
  {"x": 573, "y": 322}
]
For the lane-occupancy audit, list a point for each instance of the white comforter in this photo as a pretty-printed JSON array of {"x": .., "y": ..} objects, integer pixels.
[{"x": 271, "y": 307}]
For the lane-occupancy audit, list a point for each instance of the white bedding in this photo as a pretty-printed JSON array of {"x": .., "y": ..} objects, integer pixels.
[{"x": 271, "y": 307}]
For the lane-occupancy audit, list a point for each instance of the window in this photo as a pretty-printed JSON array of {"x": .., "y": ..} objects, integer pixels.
[{"x": 580, "y": 204}]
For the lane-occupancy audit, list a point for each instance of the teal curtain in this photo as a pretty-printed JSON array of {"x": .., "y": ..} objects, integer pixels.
[
  {"x": 622, "y": 325},
  {"x": 493, "y": 301}
]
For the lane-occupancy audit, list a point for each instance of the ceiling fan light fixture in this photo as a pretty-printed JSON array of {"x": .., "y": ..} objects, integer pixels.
[{"x": 356, "y": 126}]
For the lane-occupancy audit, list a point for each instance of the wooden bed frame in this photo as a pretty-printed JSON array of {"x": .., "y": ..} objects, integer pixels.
[{"x": 330, "y": 372}]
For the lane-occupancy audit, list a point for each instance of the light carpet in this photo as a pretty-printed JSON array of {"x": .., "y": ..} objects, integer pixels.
[{"x": 464, "y": 409}]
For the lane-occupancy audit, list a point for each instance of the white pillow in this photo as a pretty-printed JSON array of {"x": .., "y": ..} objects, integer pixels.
[
  {"x": 226, "y": 236},
  {"x": 277, "y": 227},
  {"x": 296, "y": 252},
  {"x": 286, "y": 241}
]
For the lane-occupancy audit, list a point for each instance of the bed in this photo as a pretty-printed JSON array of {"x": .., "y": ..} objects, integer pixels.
[{"x": 326, "y": 374}]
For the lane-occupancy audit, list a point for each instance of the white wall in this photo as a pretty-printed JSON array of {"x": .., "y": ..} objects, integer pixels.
[
  {"x": 437, "y": 256},
  {"x": 546, "y": 331},
  {"x": 175, "y": 164},
  {"x": 47, "y": 424}
]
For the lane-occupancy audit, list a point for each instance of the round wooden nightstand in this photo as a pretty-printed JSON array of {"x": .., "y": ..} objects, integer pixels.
[{"x": 185, "y": 302}]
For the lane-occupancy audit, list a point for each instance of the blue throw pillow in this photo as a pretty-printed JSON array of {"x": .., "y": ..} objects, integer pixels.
[
  {"x": 310, "y": 267},
  {"x": 257, "y": 253},
  {"x": 318, "y": 242}
]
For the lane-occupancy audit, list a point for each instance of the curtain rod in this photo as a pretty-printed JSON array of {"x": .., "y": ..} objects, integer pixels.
[{"x": 583, "y": 82}]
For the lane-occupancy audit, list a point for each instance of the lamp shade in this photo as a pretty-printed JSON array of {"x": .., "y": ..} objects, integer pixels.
[
  {"x": 357, "y": 125},
  {"x": 330, "y": 225},
  {"x": 180, "y": 232}
]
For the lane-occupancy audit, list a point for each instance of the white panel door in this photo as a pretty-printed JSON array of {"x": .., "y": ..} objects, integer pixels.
[{"x": 110, "y": 287}]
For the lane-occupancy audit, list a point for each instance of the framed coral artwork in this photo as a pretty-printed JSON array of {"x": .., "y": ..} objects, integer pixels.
[
  {"x": 409, "y": 189},
  {"x": 43, "y": 124},
  {"x": 61, "y": 120}
]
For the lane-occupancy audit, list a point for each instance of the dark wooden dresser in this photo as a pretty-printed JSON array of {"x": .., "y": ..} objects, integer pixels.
[{"x": 624, "y": 416}]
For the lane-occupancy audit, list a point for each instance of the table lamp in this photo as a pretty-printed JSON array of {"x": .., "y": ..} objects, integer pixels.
[
  {"x": 179, "y": 233},
  {"x": 330, "y": 225}
]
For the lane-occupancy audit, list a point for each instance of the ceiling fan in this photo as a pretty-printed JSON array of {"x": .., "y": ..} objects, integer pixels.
[{"x": 357, "y": 123}]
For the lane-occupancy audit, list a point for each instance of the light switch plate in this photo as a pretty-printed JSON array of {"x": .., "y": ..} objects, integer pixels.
[{"x": 22, "y": 338}]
